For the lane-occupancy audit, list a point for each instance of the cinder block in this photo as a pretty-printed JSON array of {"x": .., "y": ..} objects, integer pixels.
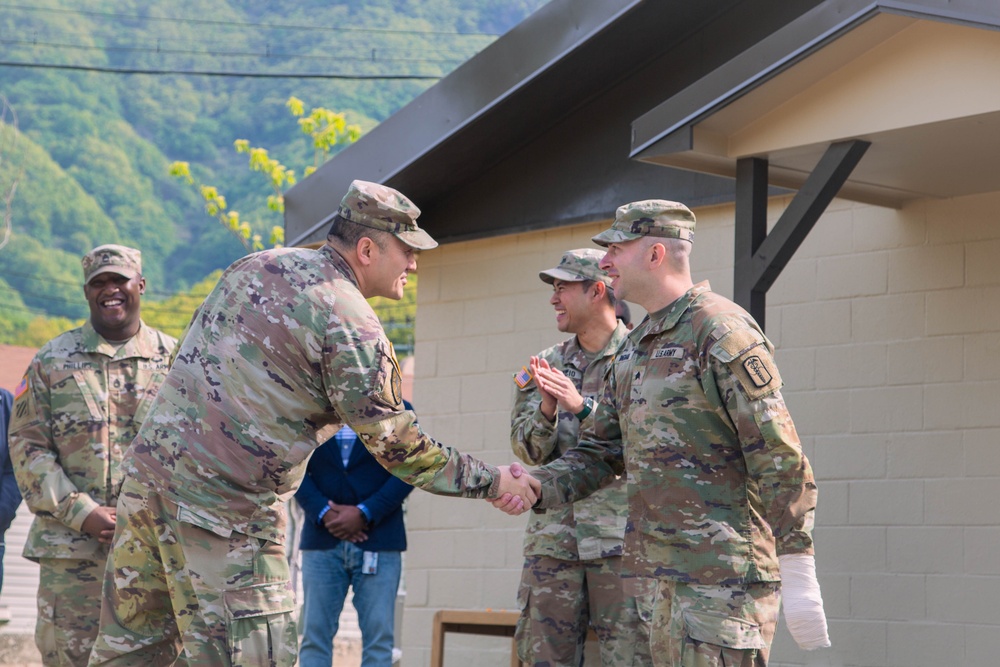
[
  {"x": 847, "y": 366},
  {"x": 436, "y": 396},
  {"x": 960, "y": 311},
  {"x": 962, "y": 502},
  {"x": 508, "y": 352},
  {"x": 464, "y": 356},
  {"x": 796, "y": 284},
  {"x": 831, "y": 236},
  {"x": 820, "y": 412},
  {"x": 982, "y": 356},
  {"x": 971, "y": 218},
  {"x": 926, "y": 455},
  {"x": 886, "y": 503},
  {"x": 429, "y": 549},
  {"x": 887, "y": 409},
  {"x": 924, "y": 268},
  {"x": 882, "y": 228},
  {"x": 831, "y": 507},
  {"x": 797, "y": 367},
  {"x": 814, "y": 324},
  {"x": 888, "y": 597},
  {"x": 964, "y": 599},
  {"x": 926, "y": 644},
  {"x": 925, "y": 360},
  {"x": 887, "y": 318},
  {"x": 451, "y": 588},
  {"x": 981, "y": 644},
  {"x": 961, "y": 405},
  {"x": 439, "y": 320},
  {"x": 853, "y": 549},
  {"x": 850, "y": 457},
  {"x": 981, "y": 548},
  {"x": 924, "y": 549},
  {"x": 982, "y": 452},
  {"x": 484, "y": 391},
  {"x": 484, "y": 316},
  {"x": 424, "y": 360},
  {"x": 981, "y": 266},
  {"x": 849, "y": 276}
]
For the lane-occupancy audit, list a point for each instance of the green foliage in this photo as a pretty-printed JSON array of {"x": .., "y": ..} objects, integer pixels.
[{"x": 95, "y": 147}]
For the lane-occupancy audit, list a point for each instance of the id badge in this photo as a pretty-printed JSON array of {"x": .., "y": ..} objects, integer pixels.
[{"x": 369, "y": 562}]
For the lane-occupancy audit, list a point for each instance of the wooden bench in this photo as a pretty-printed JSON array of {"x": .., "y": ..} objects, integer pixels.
[{"x": 494, "y": 623}]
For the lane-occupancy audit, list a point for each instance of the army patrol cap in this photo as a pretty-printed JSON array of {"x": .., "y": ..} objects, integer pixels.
[
  {"x": 112, "y": 258},
  {"x": 381, "y": 207},
  {"x": 650, "y": 217},
  {"x": 577, "y": 265}
]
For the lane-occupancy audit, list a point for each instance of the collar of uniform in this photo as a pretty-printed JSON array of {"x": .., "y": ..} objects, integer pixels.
[
  {"x": 574, "y": 352},
  {"x": 143, "y": 344},
  {"x": 667, "y": 318},
  {"x": 339, "y": 262}
]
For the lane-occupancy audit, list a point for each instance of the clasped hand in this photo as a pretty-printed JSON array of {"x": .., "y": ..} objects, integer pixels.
[
  {"x": 519, "y": 491},
  {"x": 346, "y": 522},
  {"x": 555, "y": 389}
]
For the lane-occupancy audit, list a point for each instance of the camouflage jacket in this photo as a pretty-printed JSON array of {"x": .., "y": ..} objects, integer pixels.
[
  {"x": 595, "y": 526},
  {"x": 76, "y": 411},
  {"x": 718, "y": 484},
  {"x": 283, "y": 351}
]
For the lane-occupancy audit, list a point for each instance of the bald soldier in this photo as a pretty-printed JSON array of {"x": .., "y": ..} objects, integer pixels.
[
  {"x": 75, "y": 413},
  {"x": 282, "y": 352},
  {"x": 721, "y": 497}
]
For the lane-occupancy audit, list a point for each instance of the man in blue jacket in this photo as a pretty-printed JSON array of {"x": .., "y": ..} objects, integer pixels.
[
  {"x": 10, "y": 495},
  {"x": 353, "y": 537}
]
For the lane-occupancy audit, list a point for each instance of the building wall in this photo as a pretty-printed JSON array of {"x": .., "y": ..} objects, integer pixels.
[{"x": 887, "y": 332}]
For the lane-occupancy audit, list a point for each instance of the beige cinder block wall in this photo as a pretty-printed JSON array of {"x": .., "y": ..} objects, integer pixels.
[{"x": 887, "y": 326}]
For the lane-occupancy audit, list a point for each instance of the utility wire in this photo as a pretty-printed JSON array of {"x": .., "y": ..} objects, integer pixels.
[
  {"x": 243, "y": 75},
  {"x": 241, "y": 24}
]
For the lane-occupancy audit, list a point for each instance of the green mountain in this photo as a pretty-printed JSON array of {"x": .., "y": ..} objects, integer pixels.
[{"x": 107, "y": 93}]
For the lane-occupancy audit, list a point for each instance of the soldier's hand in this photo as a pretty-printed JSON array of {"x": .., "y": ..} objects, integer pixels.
[
  {"x": 346, "y": 522},
  {"x": 549, "y": 403},
  {"x": 518, "y": 490},
  {"x": 552, "y": 381},
  {"x": 100, "y": 524}
]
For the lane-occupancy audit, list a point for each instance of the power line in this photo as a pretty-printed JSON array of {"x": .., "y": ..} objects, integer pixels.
[
  {"x": 373, "y": 56},
  {"x": 242, "y": 24},
  {"x": 246, "y": 75}
]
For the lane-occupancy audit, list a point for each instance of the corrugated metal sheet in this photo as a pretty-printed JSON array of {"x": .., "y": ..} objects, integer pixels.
[{"x": 20, "y": 578}]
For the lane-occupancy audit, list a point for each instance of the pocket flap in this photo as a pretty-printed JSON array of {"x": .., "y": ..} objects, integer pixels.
[
  {"x": 722, "y": 630},
  {"x": 263, "y": 600}
]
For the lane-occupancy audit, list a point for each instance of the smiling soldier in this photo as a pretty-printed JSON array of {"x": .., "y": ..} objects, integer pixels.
[{"x": 77, "y": 409}]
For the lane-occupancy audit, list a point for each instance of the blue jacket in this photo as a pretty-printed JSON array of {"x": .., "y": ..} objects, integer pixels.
[
  {"x": 10, "y": 495},
  {"x": 363, "y": 481}
]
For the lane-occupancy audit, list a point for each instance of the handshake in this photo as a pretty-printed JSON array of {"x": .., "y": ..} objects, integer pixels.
[{"x": 519, "y": 491}]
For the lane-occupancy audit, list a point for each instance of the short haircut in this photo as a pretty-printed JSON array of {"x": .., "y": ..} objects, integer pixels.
[
  {"x": 608, "y": 292},
  {"x": 348, "y": 233}
]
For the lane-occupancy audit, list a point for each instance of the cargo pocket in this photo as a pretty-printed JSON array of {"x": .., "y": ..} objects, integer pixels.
[
  {"x": 260, "y": 628},
  {"x": 717, "y": 640},
  {"x": 522, "y": 629}
]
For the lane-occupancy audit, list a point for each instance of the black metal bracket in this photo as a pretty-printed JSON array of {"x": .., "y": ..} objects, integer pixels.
[{"x": 760, "y": 256}]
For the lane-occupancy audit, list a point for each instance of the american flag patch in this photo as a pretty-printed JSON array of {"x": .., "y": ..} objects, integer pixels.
[
  {"x": 21, "y": 388},
  {"x": 522, "y": 377}
]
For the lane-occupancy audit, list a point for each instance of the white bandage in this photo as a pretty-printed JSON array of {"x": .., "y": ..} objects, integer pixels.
[{"x": 803, "y": 603}]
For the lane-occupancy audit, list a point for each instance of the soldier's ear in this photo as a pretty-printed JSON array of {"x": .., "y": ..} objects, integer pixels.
[{"x": 365, "y": 250}]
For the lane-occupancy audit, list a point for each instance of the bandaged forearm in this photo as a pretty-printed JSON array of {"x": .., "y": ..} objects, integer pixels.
[{"x": 802, "y": 601}]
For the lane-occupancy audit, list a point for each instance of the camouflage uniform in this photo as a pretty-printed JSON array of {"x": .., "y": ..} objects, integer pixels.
[
  {"x": 573, "y": 553},
  {"x": 718, "y": 484},
  {"x": 283, "y": 351},
  {"x": 77, "y": 409}
]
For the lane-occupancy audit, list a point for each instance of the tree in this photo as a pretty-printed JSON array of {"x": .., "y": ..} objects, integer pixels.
[
  {"x": 327, "y": 129},
  {"x": 9, "y": 165}
]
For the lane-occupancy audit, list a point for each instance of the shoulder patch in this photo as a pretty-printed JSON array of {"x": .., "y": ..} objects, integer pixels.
[
  {"x": 523, "y": 378},
  {"x": 735, "y": 343},
  {"x": 387, "y": 387},
  {"x": 746, "y": 352}
]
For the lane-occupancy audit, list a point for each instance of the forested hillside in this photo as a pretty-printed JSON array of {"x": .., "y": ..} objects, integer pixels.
[{"x": 108, "y": 93}]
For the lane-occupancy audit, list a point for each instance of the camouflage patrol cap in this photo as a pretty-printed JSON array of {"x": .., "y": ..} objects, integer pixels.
[
  {"x": 381, "y": 207},
  {"x": 578, "y": 265},
  {"x": 112, "y": 258},
  {"x": 650, "y": 217}
]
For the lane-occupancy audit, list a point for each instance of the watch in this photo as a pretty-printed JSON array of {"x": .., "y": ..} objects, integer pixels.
[{"x": 588, "y": 406}]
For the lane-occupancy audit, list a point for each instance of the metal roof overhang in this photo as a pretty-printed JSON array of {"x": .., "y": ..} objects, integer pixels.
[{"x": 917, "y": 82}]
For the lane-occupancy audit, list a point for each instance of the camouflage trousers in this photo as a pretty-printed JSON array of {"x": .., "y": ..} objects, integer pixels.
[
  {"x": 693, "y": 625},
  {"x": 560, "y": 599},
  {"x": 69, "y": 610},
  {"x": 177, "y": 591}
]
